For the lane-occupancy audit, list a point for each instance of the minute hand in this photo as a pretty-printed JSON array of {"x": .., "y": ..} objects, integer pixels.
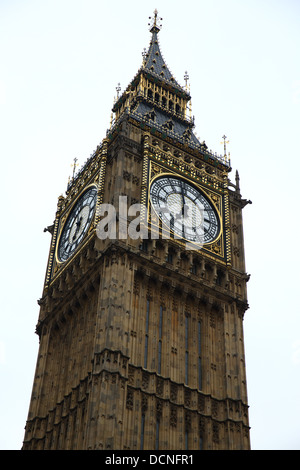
[
  {"x": 183, "y": 210},
  {"x": 183, "y": 200}
]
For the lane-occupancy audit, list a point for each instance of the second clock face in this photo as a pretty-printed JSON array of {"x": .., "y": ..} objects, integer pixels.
[
  {"x": 185, "y": 209},
  {"x": 77, "y": 224}
]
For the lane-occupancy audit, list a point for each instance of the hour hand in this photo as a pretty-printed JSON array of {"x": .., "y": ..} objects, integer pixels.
[{"x": 78, "y": 223}]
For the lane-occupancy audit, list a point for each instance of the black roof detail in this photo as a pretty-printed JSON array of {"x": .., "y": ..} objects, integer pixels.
[
  {"x": 162, "y": 121},
  {"x": 155, "y": 63}
]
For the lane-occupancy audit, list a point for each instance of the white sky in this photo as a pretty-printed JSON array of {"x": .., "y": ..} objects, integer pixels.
[{"x": 60, "y": 62}]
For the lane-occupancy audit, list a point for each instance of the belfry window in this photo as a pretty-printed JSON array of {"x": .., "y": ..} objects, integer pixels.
[
  {"x": 219, "y": 278},
  {"x": 194, "y": 268},
  {"x": 169, "y": 257}
]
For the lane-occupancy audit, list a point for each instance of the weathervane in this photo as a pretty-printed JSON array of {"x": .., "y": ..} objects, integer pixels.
[{"x": 155, "y": 25}]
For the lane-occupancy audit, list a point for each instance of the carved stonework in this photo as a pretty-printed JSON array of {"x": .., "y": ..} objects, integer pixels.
[
  {"x": 159, "y": 386},
  {"x": 187, "y": 398},
  {"x": 144, "y": 405},
  {"x": 129, "y": 399},
  {"x": 215, "y": 432},
  {"x": 140, "y": 338},
  {"x": 145, "y": 380},
  {"x": 174, "y": 391},
  {"x": 173, "y": 416},
  {"x": 159, "y": 408}
]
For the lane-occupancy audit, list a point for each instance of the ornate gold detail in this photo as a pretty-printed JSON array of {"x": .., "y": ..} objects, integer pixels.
[{"x": 215, "y": 196}]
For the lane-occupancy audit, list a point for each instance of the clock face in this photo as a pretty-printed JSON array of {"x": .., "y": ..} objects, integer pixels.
[
  {"x": 185, "y": 210},
  {"x": 77, "y": 224}
]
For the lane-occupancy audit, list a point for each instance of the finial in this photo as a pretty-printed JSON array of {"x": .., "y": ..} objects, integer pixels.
[
  {"x": 190, "y": 108},
  {"x": 118, "y": 88},
  {"x": 225, "y": 142},
  {"x": 75, "y": 164},
  {"x": 237, "y": 181},
  {"x": 144, "y": 54},
  {"x": 186, "y": 78},
  {"x": 155, "y": 27}
]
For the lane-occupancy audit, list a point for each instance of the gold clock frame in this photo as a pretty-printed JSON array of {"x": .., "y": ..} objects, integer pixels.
[
  {"x": 157, "y": 162},
  {"x": 215, "y": 199},
  {"x": 64, "y": 218}
]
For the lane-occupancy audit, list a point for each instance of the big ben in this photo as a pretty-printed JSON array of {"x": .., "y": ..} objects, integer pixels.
[{"x": 141, "y": 314}]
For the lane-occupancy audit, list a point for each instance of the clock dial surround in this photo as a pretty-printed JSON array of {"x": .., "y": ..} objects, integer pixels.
[
  {"x": 77, "y": 224},
  {"x": 185, "y": 210}
]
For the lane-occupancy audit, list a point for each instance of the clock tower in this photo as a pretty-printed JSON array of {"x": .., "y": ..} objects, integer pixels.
[{"x": 141, "y": 315}]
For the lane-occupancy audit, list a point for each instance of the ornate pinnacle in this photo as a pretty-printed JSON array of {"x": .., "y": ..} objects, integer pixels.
[
  {"x": 155, "y": 27},
  {"x": 186, "y": 78},
  {"x": 75, "y": 164},
  {"x": 225, "y": 142}
]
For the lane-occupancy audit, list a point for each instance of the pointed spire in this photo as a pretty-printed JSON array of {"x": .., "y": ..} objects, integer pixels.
[
  {"x": 74, "y": 165},
  {"x": 118, "y": 89},
  {"x": 237, "y": 181},
  {"x": 224, "y": 137},
  {"x": 153, "y": 60},
  {"x": 154, "y": 98},
  {"x": 186, "y": 79}
]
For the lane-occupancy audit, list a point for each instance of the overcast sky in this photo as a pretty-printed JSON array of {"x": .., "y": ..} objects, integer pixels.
[{"x": 61, "y": 61}]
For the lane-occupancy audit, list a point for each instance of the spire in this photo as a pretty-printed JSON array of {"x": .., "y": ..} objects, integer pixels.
[
  {"x": 225, "y": 142},
  {"x": 237, "y": 181},
  {"x": 154, "y": 62},
  {"x": 156, "y": 100}
]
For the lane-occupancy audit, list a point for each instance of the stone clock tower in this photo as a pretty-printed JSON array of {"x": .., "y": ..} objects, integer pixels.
[{"x": 141, "y": 316}]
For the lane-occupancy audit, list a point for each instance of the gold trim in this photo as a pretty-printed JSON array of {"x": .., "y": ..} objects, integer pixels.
[
  {"x": 227, "y": 230},
  {"x": 101, "y": 179},
  {"x": 157, "y": 171},
  {"x": 51, "y": 258},
  {"x": 144, "y": 182}
]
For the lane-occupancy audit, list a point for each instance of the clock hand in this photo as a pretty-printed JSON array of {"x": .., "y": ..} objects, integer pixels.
[
  {"x": 183, "y": 200},
  {"x": 185, "y": 207},
  {"x": 78, "y": 223},
  {"x": 182, "y": 210}
]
